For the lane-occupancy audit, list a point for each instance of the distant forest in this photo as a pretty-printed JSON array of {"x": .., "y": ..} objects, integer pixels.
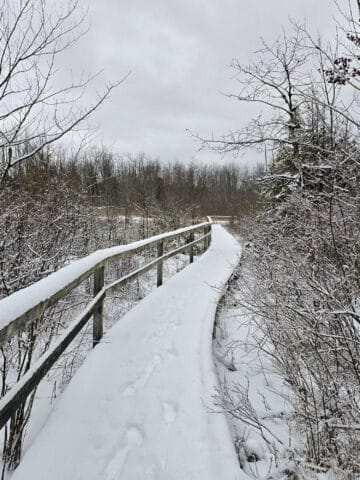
[{"x": 139, "y": 185}]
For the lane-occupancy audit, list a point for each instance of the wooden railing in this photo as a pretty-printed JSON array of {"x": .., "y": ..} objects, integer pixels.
[
  {"x": 20, "y": 309},
  {"x": 223, "y": 219}
]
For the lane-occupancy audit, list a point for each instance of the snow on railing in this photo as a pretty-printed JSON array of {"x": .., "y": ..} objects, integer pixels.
[
  {"x": 222, "y": 219},
  {"x": 23, "y": 307}
]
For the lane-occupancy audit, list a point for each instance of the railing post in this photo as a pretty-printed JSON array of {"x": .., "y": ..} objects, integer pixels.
[
  {"x": 209, "y": 237},
  {"x": 205, "y": 239},
  {"x": 191, "y": 254},
  {"x": 98, "y": 313},
  {"x": 207, "y": 229},
  {"x": 160, "y": 253}
]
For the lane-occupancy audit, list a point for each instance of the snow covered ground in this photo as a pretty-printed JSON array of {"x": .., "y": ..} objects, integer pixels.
[
  {"x": 252, "y": 391},
  {"x": 141, "y": 406}
]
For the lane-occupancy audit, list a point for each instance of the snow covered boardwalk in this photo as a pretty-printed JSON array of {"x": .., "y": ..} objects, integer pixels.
[{"x": 138, "y": 408}]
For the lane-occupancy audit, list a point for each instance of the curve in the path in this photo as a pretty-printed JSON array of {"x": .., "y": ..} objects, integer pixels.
[{"x": 140, "y": 405}]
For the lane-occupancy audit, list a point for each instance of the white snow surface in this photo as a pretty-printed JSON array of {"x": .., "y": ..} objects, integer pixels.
[
  {"x": 241, "y": 360},
  {"x": 140, "y": 405}
]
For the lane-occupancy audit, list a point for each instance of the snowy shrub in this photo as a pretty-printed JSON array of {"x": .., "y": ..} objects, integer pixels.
[{"x": 307, "y": 288}]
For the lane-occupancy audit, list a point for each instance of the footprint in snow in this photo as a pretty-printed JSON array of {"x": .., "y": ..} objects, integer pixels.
[
  {"x": 142, "y": 379},
  {"x": 129, "y": 390},
  {"x": 169, "y": 411},
  {"x": 171, "y": 353},
  {"x": 133, "y": 439}
]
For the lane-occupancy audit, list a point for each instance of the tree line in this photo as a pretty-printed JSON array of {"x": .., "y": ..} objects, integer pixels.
[{"x": 139, "y": 184}]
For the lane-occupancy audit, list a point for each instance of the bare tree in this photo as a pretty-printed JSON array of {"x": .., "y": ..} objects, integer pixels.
[
  {"x": 301, "y": 110},
  {"x": 34, "y": 110},
  {"x": 271, "y": 81}
]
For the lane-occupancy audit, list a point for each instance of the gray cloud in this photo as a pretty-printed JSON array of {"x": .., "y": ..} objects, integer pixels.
[{"x": 178, "y": 53}]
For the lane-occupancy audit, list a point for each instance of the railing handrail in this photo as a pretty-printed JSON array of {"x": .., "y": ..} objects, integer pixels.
[
  {"x": 95, "y": 264},
  {"x": 18, "y": 309},
  {"x": 230, "y": 219}
]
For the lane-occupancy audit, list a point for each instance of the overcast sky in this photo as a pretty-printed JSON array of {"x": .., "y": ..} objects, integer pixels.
[{"x": 178, "y": 52}]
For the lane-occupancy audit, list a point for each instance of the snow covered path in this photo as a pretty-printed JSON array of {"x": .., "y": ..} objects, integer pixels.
[{"x": 138, "y": 408}]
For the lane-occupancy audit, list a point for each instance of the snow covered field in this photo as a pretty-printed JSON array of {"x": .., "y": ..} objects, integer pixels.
[{"x": 141, "y": 405}]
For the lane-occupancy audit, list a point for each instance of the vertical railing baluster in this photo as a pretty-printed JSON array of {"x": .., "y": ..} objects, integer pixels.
[
  {"x": 98, "y": 313},
  {"x": 191, "y": 254},
  {"x": 205, "y": 239},
  {"x": 160, "y": 253},
  {"x": 207, "y": 229}
]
